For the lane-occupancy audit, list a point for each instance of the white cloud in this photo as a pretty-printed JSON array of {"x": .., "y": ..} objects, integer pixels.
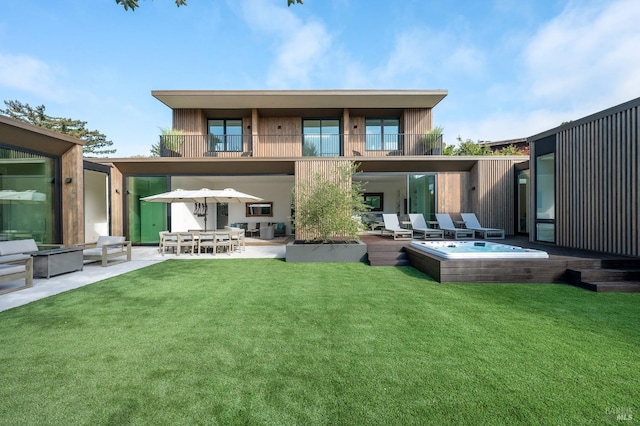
[
  {"x": 587, "y": 55},
  {"x": 301, "y": 49},
  {"x": 425, "y": 54},
  {"x": 29, "y": 74}
]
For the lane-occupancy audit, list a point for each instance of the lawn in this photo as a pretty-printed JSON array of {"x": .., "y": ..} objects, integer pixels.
[{"x": 268, "y": 342}]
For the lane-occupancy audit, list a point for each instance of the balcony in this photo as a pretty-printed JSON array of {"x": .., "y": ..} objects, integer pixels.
[{"x": 292, "y": 146}]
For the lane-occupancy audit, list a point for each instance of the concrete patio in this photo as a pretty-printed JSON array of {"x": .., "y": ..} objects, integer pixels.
[{"x": 93, "y": 272}]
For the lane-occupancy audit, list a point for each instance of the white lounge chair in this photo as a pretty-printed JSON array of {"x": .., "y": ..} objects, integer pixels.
[
  {"x": 446, "y": 224},
  {"x": 392, "y": 226},
  {"x": 471, "y": 222},
  {"x": 419, "y": 225}
]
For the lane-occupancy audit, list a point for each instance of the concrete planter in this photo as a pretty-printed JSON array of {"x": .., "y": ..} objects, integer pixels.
[{"x": 327, "y": 252}]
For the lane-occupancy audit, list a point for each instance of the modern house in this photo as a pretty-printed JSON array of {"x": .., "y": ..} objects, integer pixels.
[
  {"x": 580, "y": 191},
  {"x": 266, "y": 142}
]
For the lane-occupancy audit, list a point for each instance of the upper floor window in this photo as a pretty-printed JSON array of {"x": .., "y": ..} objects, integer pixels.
[
  {"x": 382, "y": 134},
  {"x": 225, "y": 135},
  {"x": 321, "y": 138}
]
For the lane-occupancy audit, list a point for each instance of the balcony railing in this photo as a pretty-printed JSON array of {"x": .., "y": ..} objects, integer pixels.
[{"x": 314, "y": 145}]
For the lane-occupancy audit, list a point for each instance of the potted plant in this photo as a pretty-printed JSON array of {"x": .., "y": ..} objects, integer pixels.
[
  {"x": 171, "y": 142},
  {"x": 327, "y": 218}
]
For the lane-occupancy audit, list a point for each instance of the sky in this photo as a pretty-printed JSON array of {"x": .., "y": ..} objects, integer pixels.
[{"x": 512, "y": 68}]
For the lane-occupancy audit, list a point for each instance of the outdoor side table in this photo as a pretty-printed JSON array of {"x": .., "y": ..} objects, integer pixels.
[{"x": 48, "y": 263}]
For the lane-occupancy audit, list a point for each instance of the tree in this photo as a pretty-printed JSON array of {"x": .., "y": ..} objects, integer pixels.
[
  {"x": 96, "y": 143},
  {"x": 132, "y": 4},
  {"x": 469, "y": 147},
  {"x": 327, "y": 204}
]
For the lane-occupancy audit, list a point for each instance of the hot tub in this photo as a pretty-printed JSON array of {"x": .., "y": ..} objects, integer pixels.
[{"x": 477, "y": 250}]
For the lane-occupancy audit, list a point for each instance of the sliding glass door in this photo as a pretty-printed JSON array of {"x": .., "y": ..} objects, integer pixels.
[{"x": 421, "y": 190}]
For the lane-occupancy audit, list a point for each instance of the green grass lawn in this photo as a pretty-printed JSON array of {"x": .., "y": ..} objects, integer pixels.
[{"x": 268, "y": 342}]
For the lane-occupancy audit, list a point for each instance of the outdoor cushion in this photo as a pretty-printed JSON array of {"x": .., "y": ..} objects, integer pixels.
[
  {"x": 17, "y": 246},
  {"x": 12, "y": 269},
  {"x": 97, "y": 251},
  {"x": 107, "y": 239},
  {"x": 14, "y": 257}
]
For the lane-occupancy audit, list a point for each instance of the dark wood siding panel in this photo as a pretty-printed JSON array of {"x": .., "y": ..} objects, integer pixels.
[
  {"x": 597, "y": 184},
  {"x": 285, "y": 141},
  {"x": 72, "y": 196},
  {"x": 190, "y": 121}
]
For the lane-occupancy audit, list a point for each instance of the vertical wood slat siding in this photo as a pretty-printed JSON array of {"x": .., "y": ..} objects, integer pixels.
[
  {"x": 191, "y": 121},
  {"x": 283, "y": 142},
  {"x": 416, "y": 121},
  {"x": 453, "y": 193},
  {"x": 597, "y": 184},
  {"x": 305, "y": 173},
  {"x": 493, "y": 199}
]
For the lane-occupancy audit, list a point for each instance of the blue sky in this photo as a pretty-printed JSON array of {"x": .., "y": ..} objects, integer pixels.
[{"x": 513, "y": 68}]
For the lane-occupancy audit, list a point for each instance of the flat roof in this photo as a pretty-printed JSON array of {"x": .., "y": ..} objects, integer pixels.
[
  {"x": 286, "y": 166},
  {"x": 277, "y": 99},
  {"x": 24, "y": 135}
]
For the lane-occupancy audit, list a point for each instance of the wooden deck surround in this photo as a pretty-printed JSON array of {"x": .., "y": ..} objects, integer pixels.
[{"x": 561, "y": 266}]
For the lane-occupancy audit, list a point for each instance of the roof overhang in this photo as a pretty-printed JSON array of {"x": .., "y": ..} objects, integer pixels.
[
  {"x": 298, "y": 99},
  {"x": 33, "y": 138},
  {"x": 286, "y": 166}
]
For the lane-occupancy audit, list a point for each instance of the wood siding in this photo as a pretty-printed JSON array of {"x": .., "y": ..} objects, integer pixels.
[
  {"x": 452, "y": 193},
  {"x": 190, "y": 121},
  {"x": 72, "y": 196},
  {"x": 493, "y": 199},
  {"x": 279, "y": 137},
  {"x": 597, "y": 183},
  {"x": 416, "y": 121},
  {"x": 117, "y": 202},
  {"x": 305, "y": 175}
]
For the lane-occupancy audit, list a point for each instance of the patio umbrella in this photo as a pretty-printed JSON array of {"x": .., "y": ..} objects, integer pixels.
[{"x": 204, "y": 195}]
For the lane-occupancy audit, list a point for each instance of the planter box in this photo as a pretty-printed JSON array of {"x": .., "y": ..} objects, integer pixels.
[{"x": 327, "y": 252}]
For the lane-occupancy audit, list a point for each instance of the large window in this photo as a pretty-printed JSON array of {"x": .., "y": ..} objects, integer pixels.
[
  {"x": 321, "y": 138},
  {"x": 225, "y": 135},
  {"x": 382, "y": 134},
  {"x": 28, "y": 201}
]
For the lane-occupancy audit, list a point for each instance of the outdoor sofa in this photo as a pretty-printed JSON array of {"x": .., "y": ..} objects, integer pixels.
[
  {"x": 106, "y": 248},
  {"x": 16, "y": 263}
]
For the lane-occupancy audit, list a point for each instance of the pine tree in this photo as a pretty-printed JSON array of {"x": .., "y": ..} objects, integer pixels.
[{"x": 96, "y": 143}]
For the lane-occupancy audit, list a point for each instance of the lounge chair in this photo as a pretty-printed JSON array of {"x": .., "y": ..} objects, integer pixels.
[
  {"x": 471, "y": 222},
  {"x": 392, "y": 226},
  {"x": 446, "y": 224},
  {"x": 419, "y": 225}
]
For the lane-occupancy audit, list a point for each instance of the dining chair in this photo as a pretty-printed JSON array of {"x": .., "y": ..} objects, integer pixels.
[
  {"x": 222, "y": 239},
  {"x": 186, "y": 242},
  {"x": 168, "y": 240},
  {"x": 237, "y": 237},
  {"x": 207, "y": 241}
]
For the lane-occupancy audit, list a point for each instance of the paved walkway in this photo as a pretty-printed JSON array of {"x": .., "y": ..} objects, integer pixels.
[{"x": 93, "y": 272}]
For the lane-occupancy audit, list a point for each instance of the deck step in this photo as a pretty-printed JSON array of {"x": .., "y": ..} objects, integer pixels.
[
  {"x": 388, "y": 258},
  {"x": 611, "y": 287},
  {"x": 604, "y": 274}
]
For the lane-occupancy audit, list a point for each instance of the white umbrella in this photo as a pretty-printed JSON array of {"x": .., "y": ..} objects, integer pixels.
[{"x": 204, "y": 195}]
